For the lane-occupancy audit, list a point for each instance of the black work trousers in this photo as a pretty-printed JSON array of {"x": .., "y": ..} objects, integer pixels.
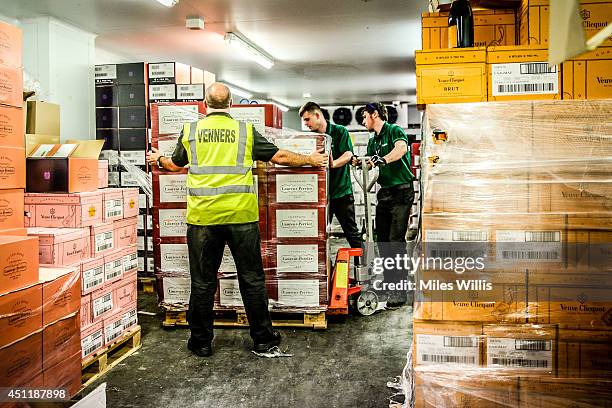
[
  {"x": 392, "y": 216},
  {"x": 344, "y": 210},
  {"x": 206, "y": 245}
]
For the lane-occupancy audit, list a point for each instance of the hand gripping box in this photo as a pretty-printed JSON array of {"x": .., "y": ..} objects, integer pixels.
[
  {"x": 20, "y": 313},
  {"x": 62, "y": 246},
  {"x": 61, "y": 340},
  {"x": 92, "y": 338},
  {"x": 61, "y": 290},
  {"x": 21, "y": 361},
  {"x": 102, "y": 239},
  {"x": 11, "y": 208},
  {"x": 113, "y": 204},
  {"x": 92, "y": 275},
  {"x": 18, "y": 262},
  {"x": 70, "y": 210},
  {"x": 125, "y": 232}
]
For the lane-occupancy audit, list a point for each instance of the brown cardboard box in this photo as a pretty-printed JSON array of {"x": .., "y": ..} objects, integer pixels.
[
  {"x": 590, "y": 198},
  {"x": 65, "y": 374},
  {"x": 12, "y": 167},
  {"x": 503, "y": 302},
  {"x": 21, "y": 361},
  {"x": 43, "y": 118},
  {"x": 585, "y": 353},
  {"x": 11, "y": 126},
  {"x": 61, "y": 292},
  {"x": 588, "y": 76},
  {"x": 570, "y": 300},
  {"x": 18, "y": 262},
  {"x": 520, "y": 349},
  {"x": 455, "y": 388},
  {"x": 18, "y": 232},
  {"x": 11, "y": 208},
  {"x": 521, "y": 73},
  {"x": 20, "y": 313},
  {"x": 443, "y": 344},
  {"x": 589, "y": 251},
  {"x": 61, "y": 340},
  {"x": 31, "y": 141},
  {"x": 534, "y": 19},
  {"x": 545, "y": 392},
  {"x": 491, "y": 27},
  {"x": 450, "y": 76}
]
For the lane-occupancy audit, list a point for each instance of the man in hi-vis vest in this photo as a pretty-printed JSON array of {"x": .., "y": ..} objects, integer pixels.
[{"x": 222, "y": 208}]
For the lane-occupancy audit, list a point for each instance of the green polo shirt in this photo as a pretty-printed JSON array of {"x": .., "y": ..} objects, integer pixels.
[
  {"x": 340, "y": 178},
  {"x": 395, "y": 173}
]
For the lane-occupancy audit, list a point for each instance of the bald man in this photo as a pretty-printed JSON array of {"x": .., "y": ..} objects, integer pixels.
[{"x": 222, "y": 209}]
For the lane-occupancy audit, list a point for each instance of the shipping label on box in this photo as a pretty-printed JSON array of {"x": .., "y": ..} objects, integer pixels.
[
  {"x": 105, "y": 73},
  {"x": 130, "y": 262},
  {"x": 129, "y": 180},
  {"x": 162, "y": 92},
  {"x": 433, "y": 349},
  {"x": 113, "y": 328},
  {"x": 176, "y": 289},
  {"x": 174, "y": 257},
  {"x": 104, "y": 241},
  {"x": 93, "y": 278},
  {"x": 93, "y": 342},
  {"x": 297, "y": 223},
  {"x": 301, "y": 146},
  {"x": 172, "y": 188},
  {"x": 292, "y": 188},
  {"x": 140, "y": 243},
  {"x": 531, "y": 246},
  {"x": 161, "y": 70},
  {"x": 141, "y": 264},
  {"x": 297, "y": 258},
  {"x": 172, "y": 118},
  {"x": 172, "y": 223},
  {"x": 166, "y": 147},
  {"x": 194, "y": 92},
  {"x": 113, "y": 267},
  {"x": 113, "y": 209},
  {"x": 298, "y": 292},
  {"x": 532, "y": 354},
  {"x": 130, "y": 318},
  {"x": 101, "y": 304},
  {"x": 229, "y": 293},
  {"x": 255, "y": 115},
  {"x": 528, "y": 78},
  {"x": 135, "y": 157}
]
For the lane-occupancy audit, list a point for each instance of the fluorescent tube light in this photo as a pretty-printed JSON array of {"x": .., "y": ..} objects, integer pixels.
[
  {"x": 168, "y": 3},
  {"x": 281, "y": 106},
  {"x": 256, "y": 54},
  {"x": 238, "y": 91}
]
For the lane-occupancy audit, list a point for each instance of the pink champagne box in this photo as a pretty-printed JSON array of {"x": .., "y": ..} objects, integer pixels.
[
  {"x": 126, "y": 232},
  {"x": 130, "y": 202},
  {"x": 113, "y": 204},
  {"x": 69, "y": 210},
  {"x": 62, "y": 246}
]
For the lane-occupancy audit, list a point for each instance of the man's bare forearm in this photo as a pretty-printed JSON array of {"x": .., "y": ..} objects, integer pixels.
[
  {"x": 287, "y": 158},
  {"x": 169, "y": 165}
]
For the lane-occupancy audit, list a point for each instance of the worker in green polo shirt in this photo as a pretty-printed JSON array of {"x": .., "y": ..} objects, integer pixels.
[
  {"x": 341, "y": 200},
  {"x": 388, "y": 150}
]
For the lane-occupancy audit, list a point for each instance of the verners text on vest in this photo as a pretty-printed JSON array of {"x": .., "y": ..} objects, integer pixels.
[{"x": 217, "y": 136}]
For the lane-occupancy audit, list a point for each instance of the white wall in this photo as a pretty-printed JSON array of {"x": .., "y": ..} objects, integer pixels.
[
  {"x": 61, "y": 58},
  {"x": 104, "y": 56}
]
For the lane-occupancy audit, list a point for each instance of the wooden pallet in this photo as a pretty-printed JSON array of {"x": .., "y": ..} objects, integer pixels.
[
  {"x": 237, "y": 318},
  {"x": 147, "y": 285},
  {"x": 98, "y": 364}
]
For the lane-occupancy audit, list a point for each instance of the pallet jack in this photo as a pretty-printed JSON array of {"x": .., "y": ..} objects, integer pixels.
[{"x": 353, "y": 288}]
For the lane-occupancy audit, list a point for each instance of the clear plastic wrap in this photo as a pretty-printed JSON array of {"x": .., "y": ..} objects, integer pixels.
[
  {"x": 293, "y": 227},
  {"x": 526, "y": 189}
]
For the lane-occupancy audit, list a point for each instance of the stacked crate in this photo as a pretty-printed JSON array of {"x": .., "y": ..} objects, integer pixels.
[
  {"x": 528, "y": 192},
  {"x": 176, "y": 82}
]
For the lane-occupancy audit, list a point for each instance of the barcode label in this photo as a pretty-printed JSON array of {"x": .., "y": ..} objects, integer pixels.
[
  {"x": 530, "y": 255},
  {"x": 187, "y": 94},
  {"x": 113, "y": 269},
  {"x": 104, "y": 241},
  {"x": 154, "y": 73},
  {"x": 164, "y": 70},
  {"x": 105, "y": 72},
  {"x": 162, "y": 92},
  {"x": 542, "y": 236},
  {"x": 130, "y": 262},
  {"x": 114, "y": 208},
  {"x": 454, "y": 253},
  {"x": 460, "y": 341},
  {"x": 533, "y": 345},
  {"x": 130, "y": 319},
  {"x": 538, "y": 68},
  {"x": 519, "y": 362},
  {"x": 456, "y": 236},
  {"x": 526, "y": 88},
  {"x": 524, "y": 79},
  {"x": 436, "y": 358},
  {"x": 113, "y": 330},
  {"x": 469, "y": 236},
  {"x": 92, "y": 343},
  {"x": 102, "y": 304},
  {"x": 93, "y": 277}
]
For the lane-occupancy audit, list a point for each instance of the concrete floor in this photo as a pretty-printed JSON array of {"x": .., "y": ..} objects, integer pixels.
[{"x": 347, "y": 365}]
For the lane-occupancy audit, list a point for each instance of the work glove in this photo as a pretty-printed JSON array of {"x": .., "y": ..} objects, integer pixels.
[{"x": 378, "y": 161}]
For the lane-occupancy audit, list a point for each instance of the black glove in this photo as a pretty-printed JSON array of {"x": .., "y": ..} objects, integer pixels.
[{"x": 378, "y": 161}]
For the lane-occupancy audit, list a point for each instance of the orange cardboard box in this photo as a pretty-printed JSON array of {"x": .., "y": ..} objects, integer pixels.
[
  {"x": 11, "y": 208},
  {"x": 11, "y": 86},
  {"x": 12, "y": 167},
  {"x": 11, "y": 45},
  {"x": 20, "y": 313},
  {"x": 585, "y": 353},
  {"x": 11, "y": 126},
  {"x": 65, "y": 374},
  {"x": 61, "y": 340},
  {"x": 21, "y": 361},
  {"x": 18, "y": 262},
  {"x": 588, "y": 76},
  {"x": 17, "y": 232},
  {"x": 586, "y": 198},
  {"x": 546, "y": 392},
  {"x": 61, "y": 292}
]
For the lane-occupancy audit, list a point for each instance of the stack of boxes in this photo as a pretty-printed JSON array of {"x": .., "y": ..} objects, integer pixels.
[
  {"x": 540, "y": 221},
  {"x": 176, "y": 82},
  {"x": 498, "y": 70}
]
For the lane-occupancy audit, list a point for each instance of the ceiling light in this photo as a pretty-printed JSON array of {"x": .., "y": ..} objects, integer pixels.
[
  {"x": 281, "y": 106},
  {"x": 306, "y": 95},
  {"x": 234, "y": 40},
  {"x": 238, "y": 91},
  {"x": 168, "y": 3}
]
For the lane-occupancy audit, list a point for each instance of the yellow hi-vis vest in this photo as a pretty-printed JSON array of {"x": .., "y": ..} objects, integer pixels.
[{"x": 220, "y": 181}]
